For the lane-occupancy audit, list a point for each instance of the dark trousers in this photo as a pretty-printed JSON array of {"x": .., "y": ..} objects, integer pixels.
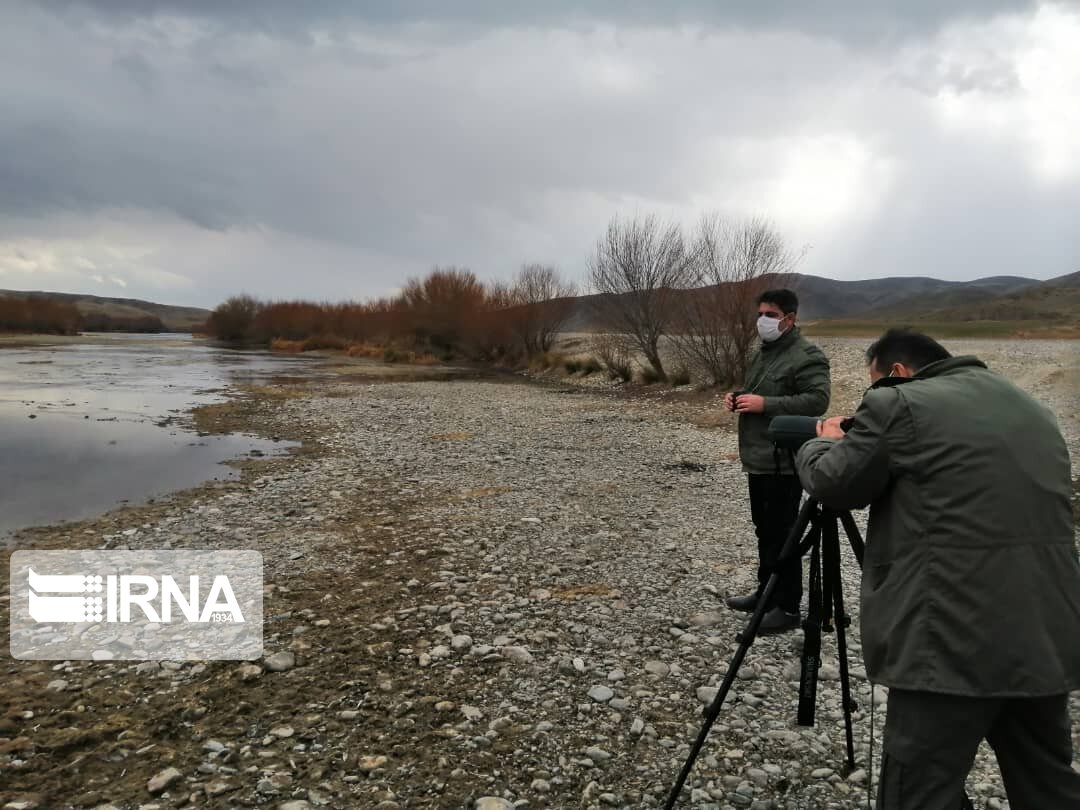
[
  {"x": 931, "y": 740},
  {"x": 774, "y": 506}
]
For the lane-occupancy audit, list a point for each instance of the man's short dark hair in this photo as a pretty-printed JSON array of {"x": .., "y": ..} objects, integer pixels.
[
  {"x": 785, "y": 299},
  {"x": 906, "y": 346}
]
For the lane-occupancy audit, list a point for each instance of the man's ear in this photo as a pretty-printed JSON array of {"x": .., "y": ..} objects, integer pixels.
[{"x": 900, "y": 370}]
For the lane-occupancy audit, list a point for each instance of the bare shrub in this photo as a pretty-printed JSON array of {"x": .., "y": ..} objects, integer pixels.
[
  {"x": 638, "y": 270},
  {"x": 716, "y": 327},
  {"x": 539, "y": 302},
  {"x": 615, "y": 355},
  {"x": 650, "y": 377},
  {"x": 680, "y": 376}
]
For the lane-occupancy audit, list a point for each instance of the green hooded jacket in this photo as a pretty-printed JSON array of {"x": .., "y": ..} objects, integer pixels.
[
  {"x": 793, "y": 376},
  {"x": 971, "y": 583}
]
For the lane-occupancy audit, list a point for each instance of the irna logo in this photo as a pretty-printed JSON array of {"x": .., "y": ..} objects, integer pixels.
[
  {"x": 113, "y": 597},
  {"x": 167, "y": 605}
]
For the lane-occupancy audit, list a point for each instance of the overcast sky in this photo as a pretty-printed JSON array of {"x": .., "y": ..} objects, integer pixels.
[{"x": 185, "y": 151}]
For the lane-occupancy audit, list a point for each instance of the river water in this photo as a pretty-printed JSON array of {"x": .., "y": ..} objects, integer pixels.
[{"x": 86, "y": 427}]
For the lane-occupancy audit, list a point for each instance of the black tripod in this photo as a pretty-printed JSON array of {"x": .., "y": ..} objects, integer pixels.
[{"x": 822, "y": 539}]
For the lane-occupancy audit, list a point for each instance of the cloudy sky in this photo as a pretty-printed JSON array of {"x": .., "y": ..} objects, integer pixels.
[{"x": 182, "y": 151}]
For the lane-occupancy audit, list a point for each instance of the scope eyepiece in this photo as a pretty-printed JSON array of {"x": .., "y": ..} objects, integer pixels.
[{"x": 792, "y": 432}]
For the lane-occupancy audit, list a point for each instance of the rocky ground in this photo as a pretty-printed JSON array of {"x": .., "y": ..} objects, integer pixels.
[{"x": 490, "y": 593}]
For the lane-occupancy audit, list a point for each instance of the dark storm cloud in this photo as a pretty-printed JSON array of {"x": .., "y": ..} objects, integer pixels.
[
  {"x": 858, "y": 18},
  {"x": 235, "y": 143}
]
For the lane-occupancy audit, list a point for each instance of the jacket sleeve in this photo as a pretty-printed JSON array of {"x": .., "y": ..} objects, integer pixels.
[
  {"x": 812, "y": 385},
  {"x": 852, "y": 472}
]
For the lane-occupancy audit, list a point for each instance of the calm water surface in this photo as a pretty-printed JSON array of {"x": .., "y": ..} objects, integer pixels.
[{"x": 85, "y": 428}]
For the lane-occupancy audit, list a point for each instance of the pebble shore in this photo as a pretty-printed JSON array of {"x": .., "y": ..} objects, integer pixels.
[{"x": 480, "y": 593}]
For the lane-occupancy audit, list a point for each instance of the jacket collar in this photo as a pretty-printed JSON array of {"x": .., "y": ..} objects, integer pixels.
[
  {"x": 785, "y": 339},
  {"x": 949, "y": 365},
  {"x": 946, "y": 366}
]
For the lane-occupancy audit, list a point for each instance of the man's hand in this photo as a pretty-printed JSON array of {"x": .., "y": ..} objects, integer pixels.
[
  {"x": 750, "y": 403},
  {"x": 729, "y": 401},
  {"x": 830, "y": 428}
]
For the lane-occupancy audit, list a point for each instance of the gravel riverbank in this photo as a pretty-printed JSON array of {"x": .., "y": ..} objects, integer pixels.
[{"x": 506, "y": 589}]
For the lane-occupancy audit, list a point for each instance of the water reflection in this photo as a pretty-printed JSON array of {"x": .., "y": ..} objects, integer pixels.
[{"x": 84, "y": 428}]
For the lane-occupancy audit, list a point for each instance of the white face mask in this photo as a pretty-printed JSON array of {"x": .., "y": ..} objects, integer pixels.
[{"x": 768, "y": 328}]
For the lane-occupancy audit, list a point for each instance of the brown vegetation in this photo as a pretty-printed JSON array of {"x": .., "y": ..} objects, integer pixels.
[
  {"x": 449, "y": 314},
  {"x": 38, "y": 316}
]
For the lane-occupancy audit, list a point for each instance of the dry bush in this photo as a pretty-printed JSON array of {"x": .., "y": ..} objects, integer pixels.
[
  {"x": 443, "y": 307},
  {"x": 290, "y": 346},
  {"x": 492, "y": 336},
  {"x": 715, "y": 328},
  {"x": 233, "y": 320},
  {"x": 650, "y": 377},
  {"x": 639, "y": 269},
  {"x": 364, "y": 350},
  {"x": 27, "y": 314},
  {"x": 539, "y": 301},
  {"x": 680, "y": 376},
  {"x": 590, "y": 365},
  {"x": 288, "y": 320},
  {"x": 548, "y": 360},
  {"x": 615, "y": 355},
  {"x": 325, "y": 342}
]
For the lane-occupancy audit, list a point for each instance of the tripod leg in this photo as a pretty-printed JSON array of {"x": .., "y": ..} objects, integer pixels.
[
  {"x": 834, "y": 587},
  {"x": 853, "y": 535},
  {"x": 805, "y": 515}
]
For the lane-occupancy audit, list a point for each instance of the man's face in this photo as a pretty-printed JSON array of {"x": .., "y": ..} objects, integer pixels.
[{"x": 773, "y": 311}]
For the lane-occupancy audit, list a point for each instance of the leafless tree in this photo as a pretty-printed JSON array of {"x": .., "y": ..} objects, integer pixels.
[
  {"x": 638, "y": 270},
  {"x": 540, "y": 302},
  {"x": 717, "y": 321}
]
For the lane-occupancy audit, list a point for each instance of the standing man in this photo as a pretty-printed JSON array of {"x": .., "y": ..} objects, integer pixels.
[
  {"x": 787, "y": 375},
  {"x": 970, "y": 584}
]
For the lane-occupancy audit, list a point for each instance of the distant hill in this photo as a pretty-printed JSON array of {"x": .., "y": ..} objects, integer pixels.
[
  {"x": 1050, "y": 302},
  {"x": 898, "y": 296},
  {"x": 881, "y": 300},
  {"x": 912, "y": 298},
  {"x": 96, "y": 309}
]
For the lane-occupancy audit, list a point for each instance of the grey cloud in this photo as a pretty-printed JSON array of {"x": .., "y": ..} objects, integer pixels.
[
  {"x": 375, "y": 150},
  {"x": 859, "y": 19}
]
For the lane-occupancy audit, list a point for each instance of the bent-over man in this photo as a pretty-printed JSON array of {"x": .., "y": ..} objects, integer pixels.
[{"x": 970, "y": 584}]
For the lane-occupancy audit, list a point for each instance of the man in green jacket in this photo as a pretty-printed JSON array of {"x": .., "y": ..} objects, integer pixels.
[
  {"x": 788, "y": 375},
  {"x": 970, "y": 583}
]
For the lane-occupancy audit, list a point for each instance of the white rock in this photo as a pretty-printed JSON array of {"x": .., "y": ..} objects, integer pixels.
[
  {"x": 601, "y": 694},
  {"x": 280, "y": 661},
  {"x": 519, "y": 655},
  {"x": 163, "y": 779},
  {"x": 707, "y": 694}
]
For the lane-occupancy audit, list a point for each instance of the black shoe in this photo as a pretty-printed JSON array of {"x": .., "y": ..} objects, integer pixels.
[
  {"x": 744, "y": 603},
  {"x": 777, "y": 621}
]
